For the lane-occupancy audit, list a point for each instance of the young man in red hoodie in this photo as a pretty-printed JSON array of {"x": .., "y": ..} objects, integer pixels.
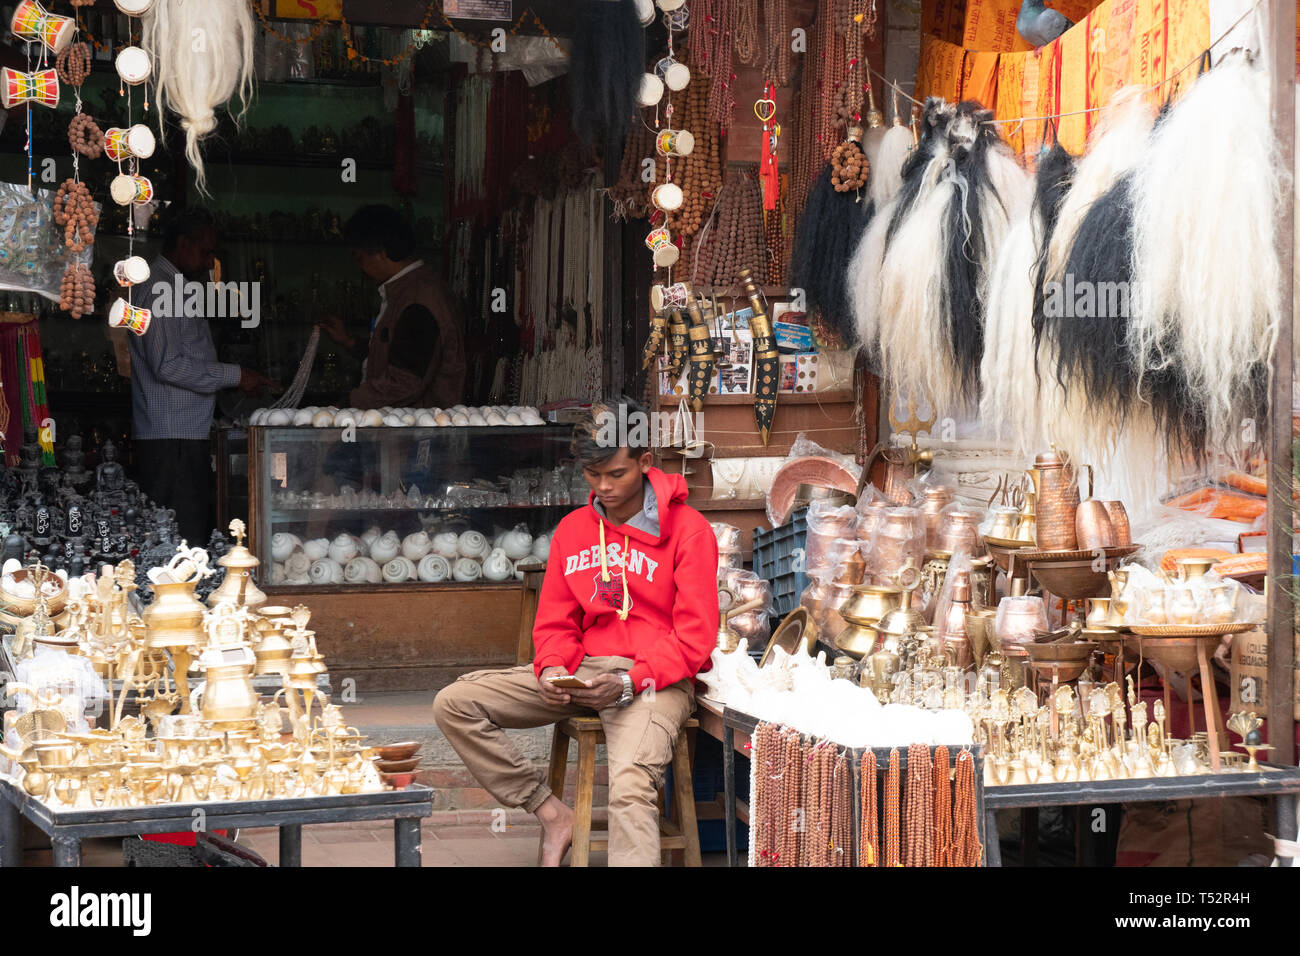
[{"x": 629, "y": 604}]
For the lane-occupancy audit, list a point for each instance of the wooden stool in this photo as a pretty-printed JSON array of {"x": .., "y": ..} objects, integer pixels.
[
  {"x": 676, "y": 832},
  {"x": 534, "y": 572}
]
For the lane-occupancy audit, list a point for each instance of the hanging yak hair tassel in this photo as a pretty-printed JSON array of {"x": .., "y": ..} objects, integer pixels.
[
  {"x": 829, "y": 230},
  {"x": 887, "y": 170},
  {"x": 1208, "y": 271},
  {"x": 937, "y": 264},
  {"x": 864, "y": 274}
]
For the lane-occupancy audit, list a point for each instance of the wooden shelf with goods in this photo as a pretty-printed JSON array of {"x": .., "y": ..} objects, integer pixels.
[{"x": 727, "y": 422}]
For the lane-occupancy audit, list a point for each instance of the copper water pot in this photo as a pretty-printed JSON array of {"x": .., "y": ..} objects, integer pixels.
[
  {"x": 936, "y": 499},
  {"x": 869, "y": 603},
  {"x": 1056, "y": 493},
  {"x": 960, "y": 531},
  {"x": 900, "y": 536},
  {"x": 952, "y": 629},
  {"x": 1119, "y": 523},
  {"x": 1092, "y": 527}
]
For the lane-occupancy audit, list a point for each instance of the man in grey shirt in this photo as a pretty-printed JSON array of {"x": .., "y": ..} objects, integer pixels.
[{"x": 175, "y": 377}]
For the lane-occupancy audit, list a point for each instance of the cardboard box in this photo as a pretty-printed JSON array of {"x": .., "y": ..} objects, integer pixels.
[{"x": 1249, "y": 672}]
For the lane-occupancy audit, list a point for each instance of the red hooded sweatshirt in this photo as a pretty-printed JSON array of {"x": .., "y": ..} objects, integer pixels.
[{"x": 671, "y": 596}]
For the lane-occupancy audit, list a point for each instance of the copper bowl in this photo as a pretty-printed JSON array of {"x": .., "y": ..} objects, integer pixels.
[
  {"x": 399, "y": 751},
  {"x": 398, "y": 766},
  {"x": 1061, "y": 661},
  {"x": 1175, "y": 653},
  {"x": 1071, "y": 580},
  {"x": 398, "y": 781}
]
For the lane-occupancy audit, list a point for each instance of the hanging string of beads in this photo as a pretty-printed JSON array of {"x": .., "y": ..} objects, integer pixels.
[
  {"x": 77, "y": 290},
  {"x": 777, "y": 43},
  {"x": 73, "y": 64},
  {"x": 721, "y": 96},
  {"x": 967, "y": 848},
  {"x": 774, "y": 239},
  {"x": 735, "y": 238},
  {"x": 85, "y": 136},
  {"x": 869, "y": 833},
  {"x": 75, "y": 211},
  {"x": 849, "y": 167},
  {"x": 893, "y": 781},
  {"x": 747, "y": 45},
  {"x": 919, "y": 808},
  {"x": 841, "y": 812},
  {"x": 942, "y": 808},
  {"x": 793, "y": 824}
]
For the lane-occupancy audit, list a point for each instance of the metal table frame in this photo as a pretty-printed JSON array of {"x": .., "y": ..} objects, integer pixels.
[
  {"x": 1283, "y": 783},
  {"x": 67, "y": 828}
]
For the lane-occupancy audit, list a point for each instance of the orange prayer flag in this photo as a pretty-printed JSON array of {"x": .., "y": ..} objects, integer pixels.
[
  {"x": 1072, "y": 130},
  {"x": 1011, "y": 81},
  {"x": 980, "y": 78}
]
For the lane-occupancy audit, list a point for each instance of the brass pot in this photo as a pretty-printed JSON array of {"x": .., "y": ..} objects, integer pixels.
[
  {"x": 1099, "y": 612},
  {"x": 869, "y": 603},
  {"x": 1189, "y": 569},
  {"x": 175, "y": 618},
  {"x": 1056, "y": 493},
  {"x": 857, "y": 640},
  {"x": 228, "y": 694},
  {"x": 979, "y": 630}
]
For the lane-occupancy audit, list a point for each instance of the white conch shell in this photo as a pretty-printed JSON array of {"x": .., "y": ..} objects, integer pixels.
[
  {"x": 280, "y": 417},
  {"x": 368, "y": 537},
  {"x": 460, "y": 419},
  {"x": 284, "y": 544},
  {"x": 393, "y": 421},
  {"x": 296, "y": 566},
  {"x": 371, "y": 418},
  {"x": 542, "y": 546},
  {"x": 343, "y": 549},
  {"x": 472, "y": 544},
  {"x": 434, "y": 568},
  {"x": 514, "y": 418},
  {"x": 415, "y": 546},
  {"x": 316, "y": 548},
  {"x": 408, "y": 419},
  {"x": 323, "y": 419},
  {"x": 385, "y": 548},
  {"x": 517, "y": 544},
  {"x": 345, "y": 418},
  {"x": 426, "y": 420},
  {"x": 361, "y": 571},
  {"x": 398, "y": 570},
  {"x": 442, "y": 419},
  {"x": 277, "y": 573},
  {"x": 302, "y": 418},
  {"x": 445, "y": 545},
  {"x": 497, "y": 567},
  {"x": 467, "y": 569},
  {"x": 477, "y": 420},
  {"x": 326, "y": 571}
]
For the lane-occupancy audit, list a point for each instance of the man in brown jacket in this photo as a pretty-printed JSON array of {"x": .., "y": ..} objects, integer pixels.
[{"x": 415, "y": 357}]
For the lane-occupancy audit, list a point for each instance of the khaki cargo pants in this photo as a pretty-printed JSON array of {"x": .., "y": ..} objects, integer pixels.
[{"x": 639, "y": 740}]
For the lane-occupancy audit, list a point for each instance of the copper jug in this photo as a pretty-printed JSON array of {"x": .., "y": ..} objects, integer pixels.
[
  {"x": 901, "y": 466},
  {"x": 1056, "y": 496},
  {"x": 936, "y": 499},
  {"x": 956, "y": 642}
]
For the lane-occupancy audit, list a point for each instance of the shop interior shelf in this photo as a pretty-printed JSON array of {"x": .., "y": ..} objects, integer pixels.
[
  {"x": 835, "y": 397},
  {"x": 302, "y": 514}
]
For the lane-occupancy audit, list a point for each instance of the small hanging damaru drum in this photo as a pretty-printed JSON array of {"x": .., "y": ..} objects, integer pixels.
[
  {"x": 133, "y": 8},
  {"x": 124, "y": 315},
  {"x": 645, "y": 12},
  {"x": 660, "y": 243},
  {"x": 120, "y": 144},
  {"x": 674, "y": 142},
  {"x": 126, "y": 190},
  {"x": 667, "y": 196},
  {"x": 34, "y": 23},
  {"x": 17, "y": 87},
  {"x": 669, "y": 5},
  {"x": 662, "y": 296},
  {"x": 134, "y": 65},
  {"x": 131, "y": 271},
  {"x": 651, "y": 91},
  {"x": 676, "y": 76}
]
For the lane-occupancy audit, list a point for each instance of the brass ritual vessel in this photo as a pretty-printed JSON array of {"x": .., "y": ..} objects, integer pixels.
[
  {"x": 232, "y": 746},
  {"x": 238, "y": 587}
]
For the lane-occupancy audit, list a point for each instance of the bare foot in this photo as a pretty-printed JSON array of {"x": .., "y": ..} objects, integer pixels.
[{"x": 557, "y": 830}]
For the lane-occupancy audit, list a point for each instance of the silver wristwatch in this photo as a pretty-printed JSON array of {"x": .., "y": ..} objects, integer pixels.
[{"x": 628, "y": 690}]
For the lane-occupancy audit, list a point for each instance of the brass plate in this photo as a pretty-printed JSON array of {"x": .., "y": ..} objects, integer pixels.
[
  {"x": 1189, "y": 630},
  {"x": 1046, "y": 557},
  {"x": 795, "y": 631},
  {"x": 1011, "y": 544}
]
